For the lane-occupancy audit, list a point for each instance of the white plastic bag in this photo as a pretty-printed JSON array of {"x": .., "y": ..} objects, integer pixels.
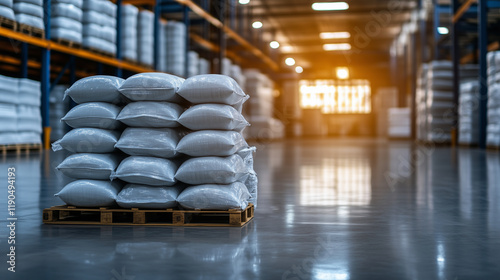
[
  {"x": 213, "y": 116},
  {"x": 211, "y": 143},
  {"x": 88, "y": 140},
  {"x": 212, "y": 170},
  {"x": 150, "y": 114},
  {"x": 156, "y": 142},
  {"x": 90, "y": 193},
  {"x": 89, "y": 166},
  {"x": 152, "y": 87},
  {"x": 215, "y": 197},
  {"x": 146, "y": 171},
  {"x": 143, "y": 196},
  {"x": 93, "y": 114},
  {"x": 100, "y": 88}
]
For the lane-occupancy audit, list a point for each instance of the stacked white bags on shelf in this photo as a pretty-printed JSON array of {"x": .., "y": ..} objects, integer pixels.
[
  {"x": 468, "y": 113},
  {"x": 176, "y": 47},
  {"x": 236, "y": 73},
  {"x": 29, "y": 119},
  {"x": 162, "y": 48},
  {"x": 8, "y": 112},
  {"x": 440, "y": 117},
  {"x": 145, "y": 43},
  {"x": 58, "y": 108},
  {"x": 399, "y": 123},
  {"x": 20, "y": 111},
  {"x": 203, "y": 66},
  {"x": 129, "y": 32},
  {"x": 261, "y": 108},
  {"x": 99, "y": 26},
  {"x": 421, "y": 100},
  {"x": 28, "y": 12},
  {"x": 6, "y": 10},
  {"x": 92, "y": 142},
  {"x": 150, "y": 140},
  {"x": 493, "y": 129},
  {"x": 66, "y": 20},
  {"x": 193, "y": 63},
  {"x": 220, "y": 170}
]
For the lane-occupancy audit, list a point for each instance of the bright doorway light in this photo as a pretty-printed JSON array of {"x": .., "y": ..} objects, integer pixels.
[
  {"x": 299, "y": 69},
  {"x": 290, "y": 61},
  {"x": 334, "y": 35},
  {"x": 443, "y": 30},
  {"x": 244, "y": 2},
  {"x": 342, "y": 73},
  {"x": 274, "y": 44},
  {"x": 330, "y": 6},
  {"x": 257, "y": 24},
  {"x": 337, "y": 47}
]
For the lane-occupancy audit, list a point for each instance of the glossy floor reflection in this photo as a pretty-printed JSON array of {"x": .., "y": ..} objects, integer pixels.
[{"x": 328, "y": 209}]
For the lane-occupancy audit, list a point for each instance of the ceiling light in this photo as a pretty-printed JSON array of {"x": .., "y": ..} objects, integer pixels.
[
  {"x": 330, "y": 6},
  {"x": 334, "y": 35},
  {"x": 443, "y": 30},
  {"x": 244, "y": 2},
  {"x": 286, "y": 49},
  {"x": 290, "y": 61},
  {"x": 342, "y": 73},
  {"x": 337, "y": 47},
  {"x": 257, "y": 24},
  {"x": 299, "y": 69},
  {"x": 274, "y": 44}
]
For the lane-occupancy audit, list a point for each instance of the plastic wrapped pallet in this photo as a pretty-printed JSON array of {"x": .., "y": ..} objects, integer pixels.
[
  {"x": 6, "y": 10},
  {"x": 89, "y": 166},
  {"x": 421, "y": 100},
  {"x": 176, "y": 47},
  {"x": 93, "y": 114},
  {"x": 155, "y": 142},
  {"x": 161, "y": 64},
  {"x": 8, "y": 118},
  {"x": 493, "y": 128},
  {"x": 58, "y": 108},
  {"x": 9, "y": 90},
  {"x": 100, "y": 88},
  {"x": 203, "y": 66},
  {"x": 468, "y": 113},
  {"x": 399, "y": 123},
  {"x": 150, "y": 171},
  {"x": 440, "y": 101},
  {"x": 99, "y": 32},
  {"x": 28, "y": 13},
  {"x": 145, "y": 42},
  {"x": 88, "y": 140},
  {"x": 193, "y": 64},
  {"x": 69, "y": 12},
  {"x": 129, "y": 32}
]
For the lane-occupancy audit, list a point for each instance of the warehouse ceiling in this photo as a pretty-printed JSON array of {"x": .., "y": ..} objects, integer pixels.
[{"x": 372, "y": 25}]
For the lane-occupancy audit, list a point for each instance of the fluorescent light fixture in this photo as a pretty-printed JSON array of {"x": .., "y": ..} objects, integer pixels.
[
  {"x": 257, "y": 24},
  {"x": 290, "y": 61},
  {"x": 287, "y": 49},
  {"x": 330, "y": 6},
  {"x": 342, "y": 73},
  {"x": 334, "y": 35},
  {"x": 337, "y": 47},
  {"x": 244, "y": 2},
  {"x": 443, "y": 30},
  {"x": 274, "y": 44},
  {"x": 299, "y": 69}
]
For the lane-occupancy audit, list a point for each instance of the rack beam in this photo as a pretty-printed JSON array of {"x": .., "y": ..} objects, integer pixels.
[{"x": 461, "y": 11}]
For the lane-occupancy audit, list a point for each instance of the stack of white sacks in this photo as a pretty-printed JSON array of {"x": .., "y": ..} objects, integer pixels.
[
  {"x": 399, "y": 123},
  {"x": 176, "y": 44},
  {"x": 145, "y": 35},
  {"x": 261, "y": 109},
  {"x": 58, "y": 108},
  {"x": 66, "y": 20},
  {"x": 493, "y": 129},
  {"x": 91, "y": 142},
  {"x": 440, "y": 117},
  {"x": 161, "y": 63},
  {"x": 421, "y": 100},
  {"x": 20, "y": 111},
  {"x": 129, "y": 32},
  {"x": 6, "y": 10},
  {"x": 28, "y": 12},
  {"x": 193, "y": 64},
  {"x": 214, "y": 161},
  {"x": 468, "y": 105},
  {"x": 99, "y": 26}
]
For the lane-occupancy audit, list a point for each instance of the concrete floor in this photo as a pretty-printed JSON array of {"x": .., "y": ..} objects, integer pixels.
[{"x": 328, "y": 209}]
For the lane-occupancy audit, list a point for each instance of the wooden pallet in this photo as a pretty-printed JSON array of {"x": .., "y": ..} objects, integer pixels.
[
  {"x": 31, "y": 30},
  {"x": 67, "y": 43},
  {"x": 8, "y": 23},
  {"x": 19, "y": 148},
  {"x": 70, "y": 215}
]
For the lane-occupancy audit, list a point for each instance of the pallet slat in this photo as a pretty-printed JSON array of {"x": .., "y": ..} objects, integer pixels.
[
  {"x": 8, "y": 23},
  {"x": 31, "y": 30},
  {"x": 19, "y": 148},
  {"x": 70, "y": 215}
]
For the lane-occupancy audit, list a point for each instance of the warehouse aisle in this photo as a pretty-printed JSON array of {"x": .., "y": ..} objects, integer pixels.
[{"x": 328, "y": 209}]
